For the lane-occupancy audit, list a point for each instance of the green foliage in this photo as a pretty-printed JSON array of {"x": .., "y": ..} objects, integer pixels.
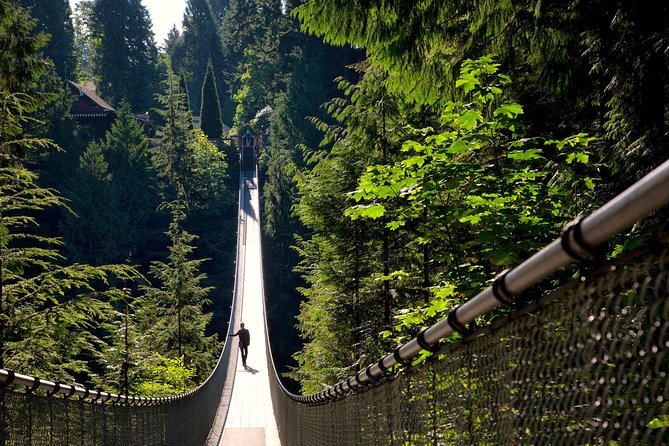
[
  {"x": 54, "y": 18},
  {"x": 165, "y": 377},
  {"x": 86, "y": 42},
  {"x": 125, "y": 54},
  {"x": 471, "y": 175},
  {"x": 261, "y": 77},
  {"x": 198, "y": 45},
  {"x": 210, "y": 112},
  {"x": 113, "y": 194},
  {"x": 343, "y": 261},
  {"x": 659, "y": 422},
  {"x": 65, "y": 321},
  {"x": 49, "y": 309},
  {"x": 172, "y": 315},
  {"x": 170, "y": 157},
  {"x": 409, "y": 321},
  {"x": 46, "y": 309},
  {"x": 440, "y": 206},
  {"x": 208, "y": 187},
  {"x": 20, "y": 62}
]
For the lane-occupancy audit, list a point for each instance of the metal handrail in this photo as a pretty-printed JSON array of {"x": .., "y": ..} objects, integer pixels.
[
  {"x": 579, "y": 237},
  {"x": 33, "y": 383}
]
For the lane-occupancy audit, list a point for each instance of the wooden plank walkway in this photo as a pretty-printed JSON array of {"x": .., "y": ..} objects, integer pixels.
[{"x": 250, "y": 420}]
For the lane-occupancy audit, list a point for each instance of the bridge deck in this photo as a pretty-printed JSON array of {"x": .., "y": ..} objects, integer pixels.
[{"x": 250, "y": 420}]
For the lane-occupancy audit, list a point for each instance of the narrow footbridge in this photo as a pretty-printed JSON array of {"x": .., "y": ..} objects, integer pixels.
[{"x": 587, "y": 363}]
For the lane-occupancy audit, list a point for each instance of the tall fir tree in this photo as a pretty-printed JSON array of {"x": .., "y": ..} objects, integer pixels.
[
  {"x": 200, "y": 43},
  {"x": 54, "y": 18},
  {"x": 90, "y": 232},
  {"x": 171, "y": 155},
  {"x": 183, "y": 86},
  {"x": 126, "y": 55},
  {"x": 178, "y": 300},
  {"x": 210, "y": 112},
  {"x": 244, "y": 24}
]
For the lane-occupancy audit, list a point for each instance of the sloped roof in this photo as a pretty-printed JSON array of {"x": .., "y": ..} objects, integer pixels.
[{"x": 88, "y": 102}]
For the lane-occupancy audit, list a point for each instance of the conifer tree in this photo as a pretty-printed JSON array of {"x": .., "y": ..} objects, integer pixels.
[
  {"x": 219, "y": 8},
  {"x": 210, "y": 112},
  {"x": 170, "y": 157},
  {"x": 126, "y": 55},
  {"x": 309, "y": 83},
  {"x": 126, "y": 148},
  {"x": 178, "y": 300},
  {"x": 113, "y": 189},
  {"x": 200, "y": 43},
  {"x": 91, "y": 232},
  {"x": 183, "y": 86},
  {"x": 252, "y": 33},
  {"x": 54, "y": 18}
]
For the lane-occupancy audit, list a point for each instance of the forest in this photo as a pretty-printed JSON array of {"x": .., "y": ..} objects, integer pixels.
[{"x": 411, "y": 152}]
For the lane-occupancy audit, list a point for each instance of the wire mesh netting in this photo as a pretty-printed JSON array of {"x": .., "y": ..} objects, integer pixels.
[
  {"x": 584, "y": 365},
  {"x": 37, "y": 418}
]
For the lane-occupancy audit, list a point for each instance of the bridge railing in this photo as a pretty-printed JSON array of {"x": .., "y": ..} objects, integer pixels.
[{"x": 585, "y": 364}]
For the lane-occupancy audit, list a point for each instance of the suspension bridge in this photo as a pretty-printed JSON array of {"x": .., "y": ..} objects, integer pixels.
[{"x": 586, "y": 363}]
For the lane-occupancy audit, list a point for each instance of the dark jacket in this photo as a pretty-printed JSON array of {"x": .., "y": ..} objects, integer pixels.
[{"x": 244, "y": 337}]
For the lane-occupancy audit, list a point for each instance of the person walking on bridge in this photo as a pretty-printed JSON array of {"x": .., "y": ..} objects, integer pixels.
[{"x": 244, "y": 341}]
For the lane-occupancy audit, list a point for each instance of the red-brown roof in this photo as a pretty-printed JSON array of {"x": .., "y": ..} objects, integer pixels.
[{"x": 88, "y": 103}]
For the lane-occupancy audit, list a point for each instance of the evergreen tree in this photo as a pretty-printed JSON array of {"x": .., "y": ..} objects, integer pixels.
[
  {"x": 251, "y": 34},
  {"x": 46, "y": 308},
  {"x": 184, "y": 159},
  {"x": 126, "y": 149},
  {"x": 262, "y": 78},
  {"x": 241, "y": 26},
  {"x": 210, "y": 112},
  {"x": 200, "y": 44},
  {"x": 114, "y": 195},
  {"x": 352, "y": 256},
  {"x": 180, "y": 321},
  {"x": 183, "y": 86},
  {"x": 126, "y": 55},
  {"x": 171, "y": 41},
  {"x": 219, "y": 8},
  {"x": 85, "y": 42},
  {"x": 124, "y": 356},
  {"x": 171, "y": 158},
  {"x": 610, "y": 89},
  {"x": 91, "y": 231},
  {"x": 54, "y": 18}
]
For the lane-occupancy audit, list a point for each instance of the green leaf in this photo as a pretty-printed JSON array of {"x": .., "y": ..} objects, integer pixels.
[
  {"x": 582, "y": 157},
  {"x": 415, "y": 161},
  {"x": 525, "y": 155},
  {"x": 444, "y": 291},
  {"x": 468, "y": 82},
  {"x": 372, "y": 211},
  {"x": 659, "y": 423},
  {"x": 510, "y": 110},
  {"x": 473, "y": 219},
  {"x": 470, "y": 119},
  {"x": 458, "y": 146}
]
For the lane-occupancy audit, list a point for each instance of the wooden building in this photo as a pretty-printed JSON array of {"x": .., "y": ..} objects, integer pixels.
[{"x": 93, "y": 115}]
